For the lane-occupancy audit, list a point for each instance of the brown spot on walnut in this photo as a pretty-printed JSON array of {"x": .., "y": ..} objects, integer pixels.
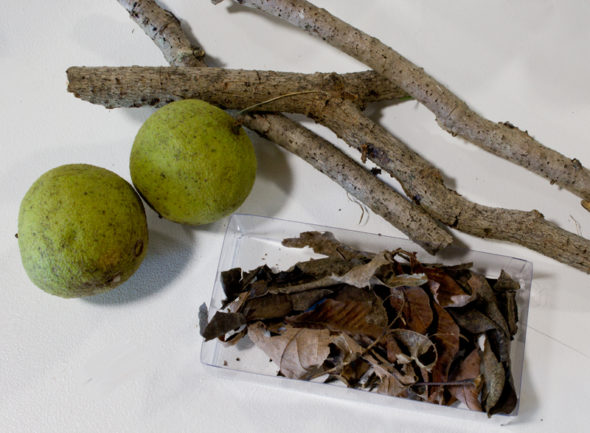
[{"x": 138, "y": 248}]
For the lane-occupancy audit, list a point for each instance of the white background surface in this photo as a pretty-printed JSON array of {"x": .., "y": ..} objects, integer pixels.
[{"x": 129, "y": 360}]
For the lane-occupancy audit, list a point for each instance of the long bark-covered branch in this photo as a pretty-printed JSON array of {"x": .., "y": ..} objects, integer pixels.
[
  {"x": 356, "y": 180},
  {"x": 165, "y": 30},
  {"x": 421, "y": 181},
  {"x": 400, "y": 212},
  {"x": 137, "y": 86},
  {"x": 424, "y": 184},
  {"x": 453, "y": 114}
]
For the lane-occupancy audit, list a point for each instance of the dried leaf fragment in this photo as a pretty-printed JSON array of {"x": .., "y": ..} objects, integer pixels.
[
  {"x": 447, "y": 292},
  {"x": 297, "y": 351},
  {"x": 420, "y": 348},
  {"x": 494, "y": 375},
  {"x": 409, "y": 280},
  {"x": 349, "y": 316},
  {"x": 446, "y": 340},
  {"x": 483, "y": 291},
  {"x": 325, "y": 243},
  {"x": 381, "y": 322},
  {"x": 221, "y": 323},
  {"x": 413, "y": 305},
  {"x": 506, "y": 289},
  {"x": 468, "y": 369}
]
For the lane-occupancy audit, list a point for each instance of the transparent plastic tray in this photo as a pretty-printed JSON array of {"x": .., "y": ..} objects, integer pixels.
[{"x": 254, "y": 240}]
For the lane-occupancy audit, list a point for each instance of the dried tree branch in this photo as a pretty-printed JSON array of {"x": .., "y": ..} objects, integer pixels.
[
  {"x": 137, "y": 86},
  {"x": 453, "y": 114},
  {"x": 400, "y": 212},
  {"x": 424, "y": 184},
  {"x": 355, "y": 179},
  {"x": 165, "y": 30}
]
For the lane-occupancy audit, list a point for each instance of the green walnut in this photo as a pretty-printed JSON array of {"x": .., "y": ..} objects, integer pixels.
[
  {"x": 82, "y": 230},
  {"x": 192, "y": 163}
]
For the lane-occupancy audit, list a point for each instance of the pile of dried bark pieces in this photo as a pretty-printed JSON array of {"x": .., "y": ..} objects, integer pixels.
[{"x": 382, "y": 322}]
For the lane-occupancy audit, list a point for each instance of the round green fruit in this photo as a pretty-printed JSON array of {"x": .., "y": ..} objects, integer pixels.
[
  {"x": 192, "y": 163},
  {"x": 82, "y": 230}
]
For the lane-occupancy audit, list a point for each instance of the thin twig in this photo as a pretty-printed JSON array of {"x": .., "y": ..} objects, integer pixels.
[{"x": 276, "y": 98}]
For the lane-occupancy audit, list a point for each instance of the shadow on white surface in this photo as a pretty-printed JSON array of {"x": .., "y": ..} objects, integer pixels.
[
  {"x": 274, "y": 179},
  {"x": 165, "y": 260},
  {"x": 133, "y": 46},
  {"x": 138, "y": 115},
  {"x": 529, "y": 400},
  {"x": 375, "y": 110},
  {"x": 209, "y": 59}
]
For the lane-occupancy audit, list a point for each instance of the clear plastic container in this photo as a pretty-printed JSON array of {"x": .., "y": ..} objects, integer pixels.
[{"x": 251, "y": 241}]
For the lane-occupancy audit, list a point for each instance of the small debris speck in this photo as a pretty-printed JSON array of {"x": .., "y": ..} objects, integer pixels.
[
  {"x": 237, "y": 359},
  {"x": 225, "y": 363}
]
